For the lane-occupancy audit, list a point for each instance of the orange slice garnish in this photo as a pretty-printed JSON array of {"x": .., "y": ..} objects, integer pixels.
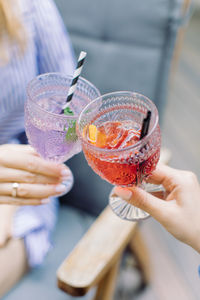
[
  {"x": 101, "y": 140},
  {"x": 93, "y": 132},
  {"x": 96, "y": 137}
]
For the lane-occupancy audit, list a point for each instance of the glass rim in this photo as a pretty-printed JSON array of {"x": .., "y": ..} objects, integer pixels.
[
  {"x": 139, "y": 143},
  {"x": 64, "y": 76}
]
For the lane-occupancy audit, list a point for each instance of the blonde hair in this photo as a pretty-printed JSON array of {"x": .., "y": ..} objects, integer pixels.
[{"x": 12, "y": 30}]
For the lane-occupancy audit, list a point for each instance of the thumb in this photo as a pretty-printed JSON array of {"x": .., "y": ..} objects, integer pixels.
[{"x": 143, "y": 200}]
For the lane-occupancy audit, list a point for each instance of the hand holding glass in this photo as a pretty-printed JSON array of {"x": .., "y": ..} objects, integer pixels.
[{"x": 52, "y": 134}]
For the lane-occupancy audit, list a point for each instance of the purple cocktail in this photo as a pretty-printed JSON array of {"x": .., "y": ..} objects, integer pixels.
[{"x": 52, "y": 134}]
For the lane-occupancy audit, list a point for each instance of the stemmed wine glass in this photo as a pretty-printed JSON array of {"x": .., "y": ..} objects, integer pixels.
[
  {"x": 51, "y": 133},
  {"x": 109, "y": 128}
]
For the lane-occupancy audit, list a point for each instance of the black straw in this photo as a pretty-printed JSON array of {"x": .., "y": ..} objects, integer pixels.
[
  {"x": 72, "y": 88},
  {"x": 145, "y": 125}
]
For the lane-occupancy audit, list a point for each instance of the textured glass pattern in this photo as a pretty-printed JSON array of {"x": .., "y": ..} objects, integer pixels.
[
  {"x": 51, "y": 133},
  {"x": 122, "y": 166}
]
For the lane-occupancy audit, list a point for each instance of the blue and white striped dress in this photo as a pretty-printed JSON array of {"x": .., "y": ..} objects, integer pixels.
[{"x": 48, "y": 50}]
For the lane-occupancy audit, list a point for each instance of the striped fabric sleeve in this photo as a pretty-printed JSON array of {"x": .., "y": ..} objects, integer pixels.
[
  {"x": 35, "y": 224},
  {"x": 54, "y": 49}
]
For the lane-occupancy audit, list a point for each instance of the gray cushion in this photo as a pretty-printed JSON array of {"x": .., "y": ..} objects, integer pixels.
[
  {"x": 40, "y": 283},
  {"x": 129, "y": 42}
]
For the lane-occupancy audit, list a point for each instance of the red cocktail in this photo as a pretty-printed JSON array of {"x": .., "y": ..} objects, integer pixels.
[
  {"x": 109, "y": 128},
  {"x": 119, "y": 135}
]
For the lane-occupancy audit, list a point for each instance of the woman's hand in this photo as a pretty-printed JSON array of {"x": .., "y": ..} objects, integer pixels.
[
  {"x": 38, "y": 179},
  {"x": 180, "y": 212}
]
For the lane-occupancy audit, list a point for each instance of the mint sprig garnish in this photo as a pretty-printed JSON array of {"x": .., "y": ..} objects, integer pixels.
[
  {"x": 71, "y": 132},
  {"x": 68, "y": 111}
]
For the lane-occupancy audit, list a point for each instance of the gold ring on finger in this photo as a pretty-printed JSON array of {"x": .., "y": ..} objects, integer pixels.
[{"x": 15, "y": 186}]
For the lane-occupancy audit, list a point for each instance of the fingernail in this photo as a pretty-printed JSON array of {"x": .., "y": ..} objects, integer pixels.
[
  {"x": 123, "y": 193},
  {"x": 45, "y": 201},
  {"x": 65, "y": 173},
  {"x": 61, "y": 188}
]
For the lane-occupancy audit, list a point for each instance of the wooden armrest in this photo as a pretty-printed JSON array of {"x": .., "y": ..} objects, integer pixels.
[{"x": 96, "y": 252}]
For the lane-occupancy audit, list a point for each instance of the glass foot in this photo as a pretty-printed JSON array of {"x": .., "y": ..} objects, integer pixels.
[
  {"x": 124, "y": 210},
  {"x": 129, "y": 212}
]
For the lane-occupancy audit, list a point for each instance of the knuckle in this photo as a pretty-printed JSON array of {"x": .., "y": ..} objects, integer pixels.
[
  {"x": 191, "y": 177},
  {"x": 30, "y": 178},
  {"x": 31, "y": 165},
  {"x": 22, "y": 191}
]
